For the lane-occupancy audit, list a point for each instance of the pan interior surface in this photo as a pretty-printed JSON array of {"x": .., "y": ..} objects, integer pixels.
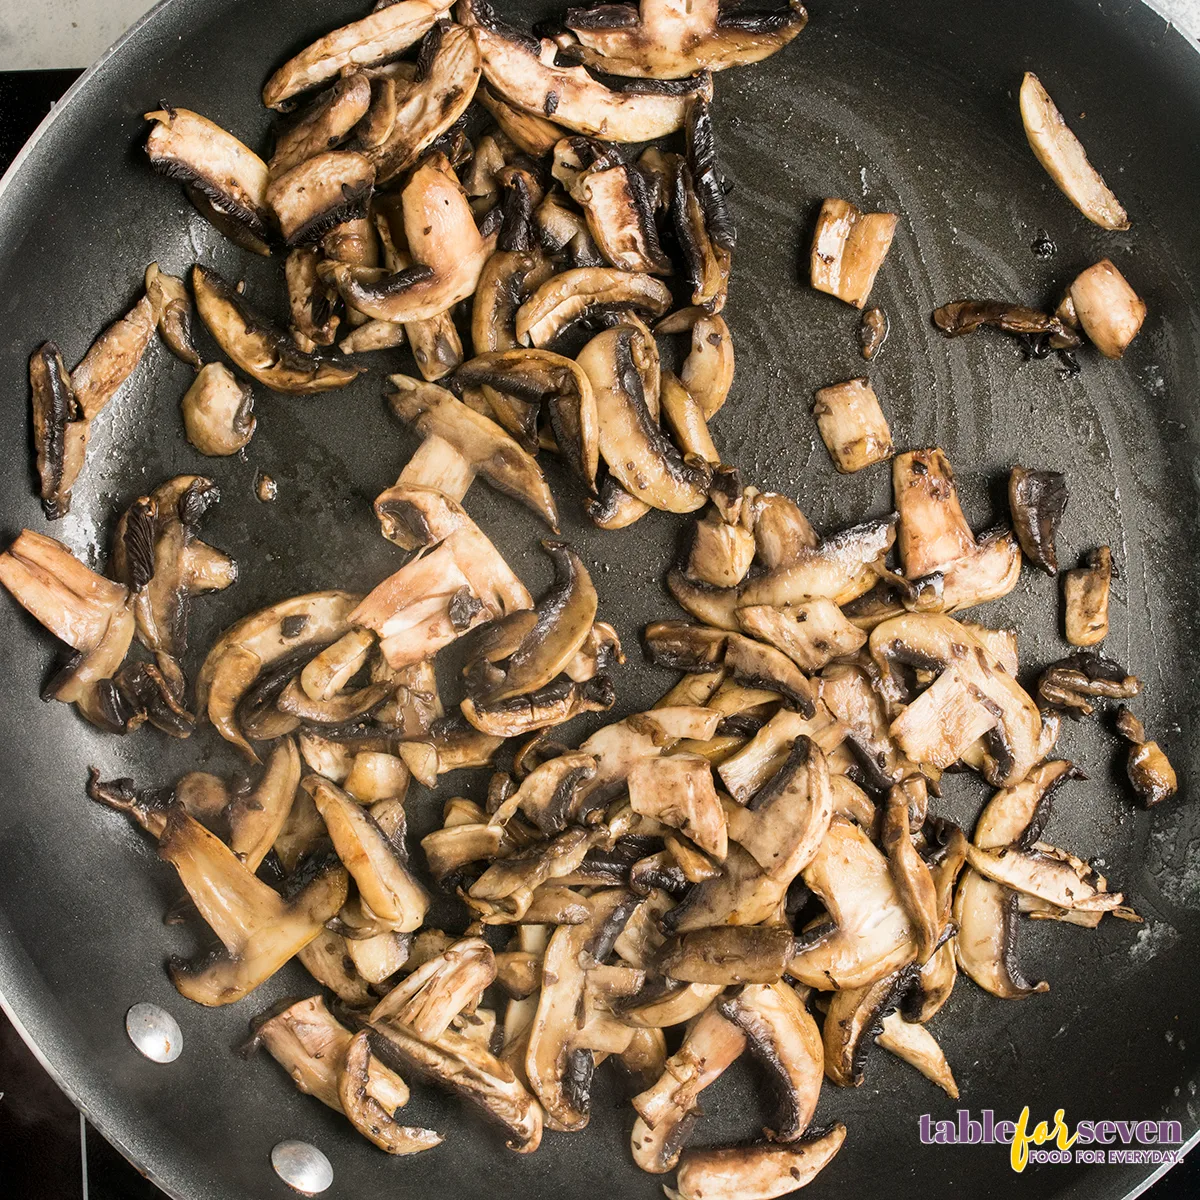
[{"x": 906, "y": 108}]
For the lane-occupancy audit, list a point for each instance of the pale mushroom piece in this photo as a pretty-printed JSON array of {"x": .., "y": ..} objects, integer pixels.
[
  {"x": 375, "y": 775},
  {"x": 169, "y": 297},
  {"x": 113, "y": 357},
  {"x": 1046, "y": 874},
  {"x": 744, "y": 772},
  {"x": 312, "y": 302},
  {"x": 944, "y": 720},
  {"x": 1109, "y": 311},
  {"x": 685, "y": 419},
  {"x": 1085, "y": 599},
  {"x": 721, "y": 554},
  {"x": 257, "y": 817},
  {"x": 782, "y": 533},
  {"x": 1001, "y": 644},
  {"x": 617, "y": 206},
  {"x": 852, "y": 425},
  {"x": 678, "y": 790},
  {"x": 310, "y": 1044},
  {"x": 321, "y": 193},
  {"x": 437, "y": 464},
  {"x": 919, "y": 1048},
  {"x": 708, "y": 369},
  {"x": 218, "y": 412},
  {"x": 811, "y": 633},
  {"x": 910, "y": 872},
  {"x": 601, "y": 649},
  {"x": 848, "y": 249},
  {"x": 535, "y": 135},
  {"x": 1065, "y": 160},
  {"x": 429, "y": 999}
]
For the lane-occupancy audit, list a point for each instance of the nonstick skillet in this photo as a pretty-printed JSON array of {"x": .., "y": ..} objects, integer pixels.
[{"x": 905, "y": 107}]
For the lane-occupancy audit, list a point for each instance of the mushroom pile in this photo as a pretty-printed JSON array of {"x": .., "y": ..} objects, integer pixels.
[{"x": 757, "y": 865}]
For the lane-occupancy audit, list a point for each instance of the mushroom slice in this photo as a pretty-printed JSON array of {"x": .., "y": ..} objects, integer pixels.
[
  {"x": 169, "y": 298},
  {"x": 685, "y": 420},
  {"x": 810, "y": 634},
  {"x": 669, "y": 40},
  {"x": 872, "y": 332},
  {"x": 368, "y": 1095},
  {"x": 465, "y": 1068},
  {"x": 966, "y": 316},
  {"x": 640, "y": 456},
  {"x": 789, "y": 816},
  {"x": 743, "y": 894},
  {"x": 872, "y": 935},
  {"x": 1045, "y": 874},
  {"x": 374, "y": 39},
  {"x": 619, "y": 214},
  {"x": 521, "y": 71},
  {"x": 946, "y": 719},
  {"x": 1065, "y": 160},
  {"x": 678, "y": 790},
  {"x": 1109, "y": 310},
  {"x": 708, "y": 261},
  {"x": 261, "y": 351},
  {"x": 758, "y": 1172},
  {"x": 852, "y": 425},
  {"x": 694, "y": 648},
  {"x": 258, "y": 928},
  {"x": 732, "y": 954},
  {"x": 257, "y": 817},
  {"x": 783, "y": 1037},
  {"x": 919, "y": 1048},
  {"x": 600, "y": 650},
  {"x": 848, "y": 249},
  {"x": 721, "y": 553},
  {"x": 218, "y": 412},
  {"x": 614, "y": 507},
  {"x": 1085, "y": 599},
  {"x": 911, "y": 873},
  {"x": 326, "y": 674},
  {"x": 310, "y": 1044},
  {"x": 1072, "y": 684},
  {"x": 782, "y": 533},
  {"x": 841, "y": 568},
  {"x": 448, "y": 73},
  {"x": 432, "y": 410},
  {"x": 60, "y": 430},
  {"x": 324, "y": 124},
  {"x": 852, "y": 1021},
  {"x": 435, "y": 345},
  {"x": 933, "y": 642},
  {"x": 668, "y": 1110},
  {"x": 760, "y": 758},
  {"x": 707, "y": 372},
  {"x": 337, "y": 710},
  {"x": 582, "y": 292},
  {"x": 1148, "y": 767},
  {"x": 1037, "y": 501},
  {"x": 184, "y": 145},
  {"x": 538, "y": 376},
  {"x": 383, "y": 881},
  {"x": 310, "y": 299},
  {"x": 321, "y": 193},
  {"x": 553, "y": 704},
  {"x": 506, "y": 282},
  {"x": 448, "y": 851},
  {"x": 113, "y": 357},
  {"x": 429, "y": 999},
  {"x": 671, "y": 1004}
]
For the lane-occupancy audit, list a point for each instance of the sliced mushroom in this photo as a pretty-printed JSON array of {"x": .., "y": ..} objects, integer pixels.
[
  {"x": 1085, "y": 599},
  {"x": 1065, "y": 160},
  {"x": 912, "y": 876},
  {"x": 439, "y": 989},
  {"x": 1109, "y": 310},
  {"x": 532, "y": 134},
  {"x": 721, "y": 553},
  {"x": 743, "y": 894},
  {"x": 758, "y": 1172},
  {"x": 60, "y": 430},
  {"x": 744, "y": 772},
  {"x": 810, "y": 634},
  {"x": 707, "y": 372},
  {"x": 169, "y": 298},
  {"x": 678, "y": 791},
  {"x": 1037, "y": 500},
  {"x": 481, "y": 442},
  {"x": 948, "y": 717},
  {"x": 506, "y": 282},
  {"x": 1046, "y": 874},
  {"x": 872, "y": 332},
  {"x": 324, "y": 124},
  {"x": 1148, "y": 767},
  {"x": 521, "y": 71},
  {"x": 259, "y": 930},
  {"x": 311, "y": 300},
  {"x": 184, "y": 145},
  {"x": 374, "y": 39},
  {"x": 113, "y": 357},
  {"x": 260, "y": 350},
  {"x": 919, "y": 1048},
  {"x": 550, "y": 705},
  {"x": 1072, "y": 684},
  {"x": 257, "y": 817},
  {"x": 310, "y": 1044},
  {"x": 615, "y": 200},
  {"x": 848, "y": 249},
  {"x": 368, "y": 1095},
  {"x": 321, "y": 193},
  {"x": 601, "y": 649},
  {"x": 852, "y": 425},
  {"x": 218, "y": 412},
  {"x": 708, "y": 261},
  {"x": 734, "y": 954},
  {"x": 582, "y": 292},
  {"x": 961, "y": 317}
]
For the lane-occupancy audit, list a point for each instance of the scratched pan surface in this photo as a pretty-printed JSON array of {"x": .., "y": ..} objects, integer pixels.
[{"x": 909, "y": 108}]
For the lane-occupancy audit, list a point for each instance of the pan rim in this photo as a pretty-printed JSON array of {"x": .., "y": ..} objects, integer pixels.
[{"x": 1080, "y": 1188}]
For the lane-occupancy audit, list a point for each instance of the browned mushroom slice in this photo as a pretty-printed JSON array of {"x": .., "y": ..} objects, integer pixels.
[
  {"x": 947, "y": 718},
  {"x": 729, "y": 955},
  {"x": 872, "y": 332},
  {"x": 1085, "y": 599},
  {"x": 1066, "y": 162},
  {"x": 324, "y": 124},
  {"x": 581, "y": 292},
  {"x": 1149, "y": 769},
  {"x": 707, "y": 371},
  {"x": 218, "y": 412},
  {"x": 848, "y": 249},
  {"x": 60, "y": 430},
  {"x": 147, "y": 806},
  {"x": 507, "y": 280},
  {"x": 384, "y": 883},
  {"x": 311, "y": 300},
  {"x": 672, "y": 1004},
  {"x": 310, "y": 1044},
  {"x": 601, "y": 649},
  {"x": 374, "y": 39},
  {"x": 418, "y": 516},
  {"x": 932, "y": 642},
  {"x": 259, "y": 640},
  {"x": 617, "y": 206},
  {"x": 326, "y": 674},
  {"x": 1046, "y": 874},
  {"x": 758, "y": 1172},
  {"x": 550, "y": 705},
  {"x": 685, "y": 419},
  {"x": 961, "y": 317},
  {"x": 482, "y": 443},
  {"x": 783, "y": 1037},
  {"x": 521, "y": 70},
  {"x": 1037, "y": 500},
  {"x": 668, "y": 1110},
  {"x": 810, "y": 634},
  {"x": 912, "y": 876},
  {"x": 321, "y": 193},
  {"x": 439, "y": 989},
  {"x": 259, "y": 930},
  {"x": 614, "y": 507},
  {"x": 678, "y": 791},
  {"x": 743, "y": 894},
  {"x": 852, "y": 425},
  {"x": 368, "y": 1094},
  {"x": 708, "y": 261},
  {"x": 786, "y": 819},
  {"x": 168, "y": 296},
  {"x": 871, "y": 934},
  {"x": 749, "y": 769},
  {"x": 532, "y": 134},
  {"x": 340, "y": 709},
  {"x": 257, "y": 817},
  {"x": 1108, "y": 309},
  {"x": 1072, "y": 684},
  {"x": 547, "y": 794},
  {"x": 261, "y": 351},
  {"x": 851, "y": 1023},
  {"x": 113, "y": 357},
  {"x": 184, "y": 145},
  {"x": 841, "y": 568}
]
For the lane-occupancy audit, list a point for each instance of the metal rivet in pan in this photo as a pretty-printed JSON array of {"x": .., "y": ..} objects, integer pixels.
[
  {"x": 302, "y": 1166},
  {"x": 154, "y": 1032}
]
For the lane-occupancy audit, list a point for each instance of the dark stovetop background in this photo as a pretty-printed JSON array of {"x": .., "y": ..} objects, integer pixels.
[{"x": 47, "y": 1150}]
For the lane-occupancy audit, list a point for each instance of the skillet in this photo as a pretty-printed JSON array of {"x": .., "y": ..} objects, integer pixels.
[{"x": 907, "y": 108}]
